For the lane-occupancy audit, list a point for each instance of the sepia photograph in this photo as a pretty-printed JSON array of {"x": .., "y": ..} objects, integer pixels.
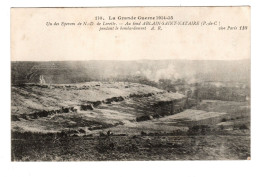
[{"x": 130, "y": 84}]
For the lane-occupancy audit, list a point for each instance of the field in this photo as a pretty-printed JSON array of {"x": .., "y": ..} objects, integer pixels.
[
  {"x": 124, "y": 121},
  {"x": 164, "y": 147}
]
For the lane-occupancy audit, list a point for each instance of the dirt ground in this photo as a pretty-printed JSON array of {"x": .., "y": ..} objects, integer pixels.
[{"x": 137, "y": 147}]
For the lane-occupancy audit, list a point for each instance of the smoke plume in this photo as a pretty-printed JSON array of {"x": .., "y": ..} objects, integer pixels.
[{"x": 164, "y": 73}]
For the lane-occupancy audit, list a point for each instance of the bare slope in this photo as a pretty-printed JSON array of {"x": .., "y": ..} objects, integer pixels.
[
  {"x": 87, "y": 106},
  {"x": 33, "y": 97}
]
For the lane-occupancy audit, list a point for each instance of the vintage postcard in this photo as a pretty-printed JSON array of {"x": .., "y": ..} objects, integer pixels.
[{"x": 130, "y": 83}]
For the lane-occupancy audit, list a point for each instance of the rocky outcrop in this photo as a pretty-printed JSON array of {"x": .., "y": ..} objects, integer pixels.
[
  {"x": 114, "y": 99},
  {"x": 140, "y": 95},
  {"x": 144, "y": 118},
  {"x": 164, "y": 108},
  {"x": 15, "y": 118},
  {"x": 86, "y": 107},
  {"x": 95, "y": 103},
  {"x": 43, "y": 113}
]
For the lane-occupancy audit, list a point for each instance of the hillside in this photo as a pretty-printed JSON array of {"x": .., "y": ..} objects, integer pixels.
[
  {"x": 130, "y": 110},
  {"x": 123, "y": 121},
  {"x": 39, "y": 107}
]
